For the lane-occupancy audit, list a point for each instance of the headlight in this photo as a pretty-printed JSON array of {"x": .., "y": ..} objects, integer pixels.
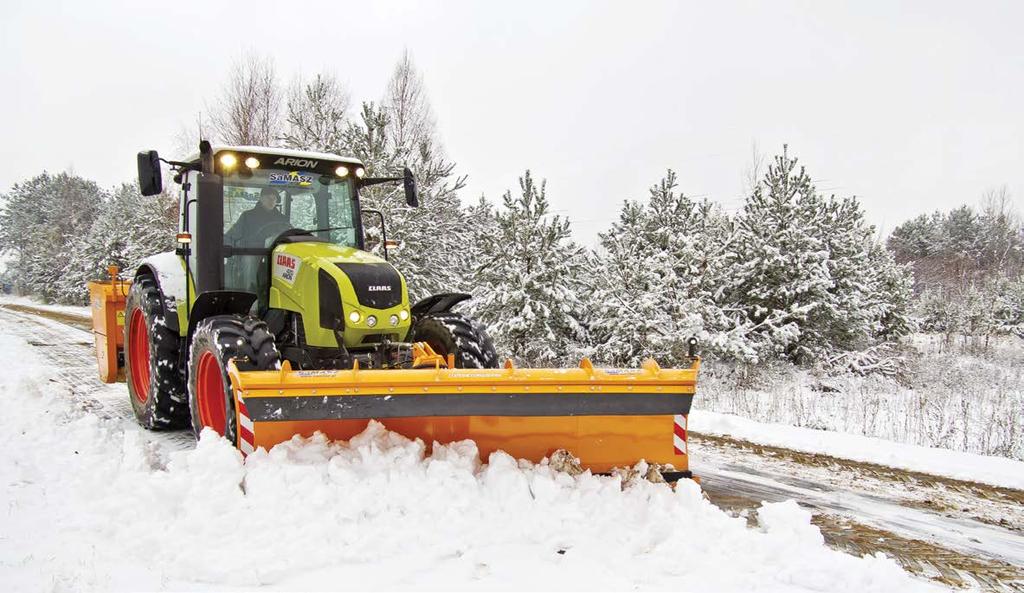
[
  {"x": 371, "y": 321},
  {"x": 341, "y": 171},
  {"x": 393, "y": 319},
  {"x": 403, "y": 314},
  {"x": 228, "y": 160},
  {"x": 360, "y": 172},
  {"x": 252, "y": 162},
  {"x": 354, "y": 316}
]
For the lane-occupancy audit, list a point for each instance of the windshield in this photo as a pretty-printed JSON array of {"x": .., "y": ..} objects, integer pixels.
[{"x": 261, "y": 204}]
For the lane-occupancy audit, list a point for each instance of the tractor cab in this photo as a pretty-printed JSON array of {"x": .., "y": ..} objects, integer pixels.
[
  {"x": 270, "y": 198},
  {"x": 265, "y": 196},
  {"x": 278, "y": 234}
]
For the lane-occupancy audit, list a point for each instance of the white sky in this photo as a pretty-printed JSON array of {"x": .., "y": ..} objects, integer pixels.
[{"x": 909, "y": 106}]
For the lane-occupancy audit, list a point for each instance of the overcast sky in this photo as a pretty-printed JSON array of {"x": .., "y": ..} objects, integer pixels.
[{"x": 909, "y": 106}]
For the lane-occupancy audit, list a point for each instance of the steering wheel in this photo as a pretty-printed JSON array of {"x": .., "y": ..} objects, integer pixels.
[{"x": 290, "y": 232}]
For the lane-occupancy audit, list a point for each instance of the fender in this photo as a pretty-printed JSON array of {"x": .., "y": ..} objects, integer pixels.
[
  {"x": 439, "y": 303},
  {"x": 168, "y": 270}
]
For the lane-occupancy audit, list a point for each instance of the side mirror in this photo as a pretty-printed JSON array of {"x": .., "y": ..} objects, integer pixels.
[
  {"x": 412, "y": 197},
  {"x": 150, "y": 177}
]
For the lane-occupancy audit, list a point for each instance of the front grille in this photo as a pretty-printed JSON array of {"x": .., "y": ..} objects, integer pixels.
[{"x": 378, "y": 286}]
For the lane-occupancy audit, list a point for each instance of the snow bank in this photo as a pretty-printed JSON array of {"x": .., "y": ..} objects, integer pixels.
[
  {"x": 998, "y": 471},
  {"x": 78, "y": 311},
  {"x": 100, "y": 504}
]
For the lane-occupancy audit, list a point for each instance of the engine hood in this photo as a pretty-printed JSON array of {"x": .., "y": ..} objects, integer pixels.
[
  {"x": 330, "y": 252},
  {"x": 328, "y": 283}
]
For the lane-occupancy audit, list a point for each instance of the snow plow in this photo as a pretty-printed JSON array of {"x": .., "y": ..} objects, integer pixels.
[{"x": 272, "y": 319}]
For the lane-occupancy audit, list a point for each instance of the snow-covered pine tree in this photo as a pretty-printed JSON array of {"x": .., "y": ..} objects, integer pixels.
[
  {"x": 528, "y": 280},
  {"x": 654, "y": 282},
  {"x": 808, "y": 273},
  {"x": 1009, "y": 308},
  {"x": 627, "y": 297},
  {"x": 39, "y": 220},
  {"x": 889, "y": 300},
  {"x": 128, "y": 228},
  {"x": 918, "y": 242},
  {"x": 780, "y": 270},
  {"x": 316, "y": 114},
  {"x": 962, "y": 245},
  {"x": 966, "y": 264},
  {"x": 400, "y": 133},
  {"x": 843, "y": 320}
]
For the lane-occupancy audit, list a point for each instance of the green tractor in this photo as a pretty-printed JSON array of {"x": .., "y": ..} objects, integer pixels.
[{"x": 272, "y": 266}]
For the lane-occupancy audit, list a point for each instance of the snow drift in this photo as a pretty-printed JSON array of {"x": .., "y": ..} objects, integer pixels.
[{"x": 102, "y": 504}]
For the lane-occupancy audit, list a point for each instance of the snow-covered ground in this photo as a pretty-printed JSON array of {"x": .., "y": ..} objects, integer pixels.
[
  {"x": 76, "y": 310},
  {"x": 950, "y": 397},
  {"x": 997, "y": 471},
  {"x": 95, "y": 503}
]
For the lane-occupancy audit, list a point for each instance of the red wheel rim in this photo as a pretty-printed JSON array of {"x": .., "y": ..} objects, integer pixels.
[
  {"x": 210, "y": 397},
  {"x": 138, "y": 353}
]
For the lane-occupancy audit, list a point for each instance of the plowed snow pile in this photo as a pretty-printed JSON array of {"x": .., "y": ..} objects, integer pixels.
[{"x": 101, "y": 504}]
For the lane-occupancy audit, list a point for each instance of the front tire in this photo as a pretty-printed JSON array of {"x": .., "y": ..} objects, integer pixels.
[
  {"x": 156, "y": 387},
  {"x": 217, "y": 340},
  {"x": 454, "y": 333}
]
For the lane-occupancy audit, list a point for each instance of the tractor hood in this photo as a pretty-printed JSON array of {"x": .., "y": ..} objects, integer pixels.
[{"x": 335, "y": 287}]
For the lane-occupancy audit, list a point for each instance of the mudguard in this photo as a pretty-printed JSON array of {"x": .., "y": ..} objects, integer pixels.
[
  {"x": 438, "y": 303},
  {"x": 168, "y": 269}
]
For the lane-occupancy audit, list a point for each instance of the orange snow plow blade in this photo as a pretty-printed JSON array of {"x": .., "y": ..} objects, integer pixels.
[{"x": 606, "y": 417}]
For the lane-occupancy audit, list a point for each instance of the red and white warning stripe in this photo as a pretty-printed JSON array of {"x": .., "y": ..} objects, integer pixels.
[
  {"x": 246, "y": 430},
  {"x": 679, "y": 434}
]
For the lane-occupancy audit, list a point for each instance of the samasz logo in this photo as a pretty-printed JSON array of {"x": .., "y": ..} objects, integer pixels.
[
  {"x": 293, "y": 178},
  {"x": 293, "y": 162},
  {"x": 379, "y": 288}
]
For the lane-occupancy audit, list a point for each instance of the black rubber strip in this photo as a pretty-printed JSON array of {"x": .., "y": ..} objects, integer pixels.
[
  {"x": 676, "y": 476},
  {"x": 320, "y": 407}
]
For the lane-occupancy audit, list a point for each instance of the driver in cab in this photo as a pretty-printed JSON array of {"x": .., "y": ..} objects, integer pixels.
[{"x": 259, "y": 223}]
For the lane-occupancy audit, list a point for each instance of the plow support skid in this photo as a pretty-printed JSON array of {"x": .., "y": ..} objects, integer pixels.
[{"x": 606, "y": 417}]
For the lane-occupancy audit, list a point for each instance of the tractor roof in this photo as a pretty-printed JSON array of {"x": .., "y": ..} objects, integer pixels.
[{"x": 287, "y": 152}]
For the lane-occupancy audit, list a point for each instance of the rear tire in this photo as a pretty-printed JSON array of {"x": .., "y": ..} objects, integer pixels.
[
  {"x": 454, "y": 333},
  {"x": 217, "y": 340},
  {"x": 156, "y": 386}
]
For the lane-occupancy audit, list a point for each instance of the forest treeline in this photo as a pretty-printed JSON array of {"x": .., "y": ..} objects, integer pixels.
[{"x": 794, "y": 275}]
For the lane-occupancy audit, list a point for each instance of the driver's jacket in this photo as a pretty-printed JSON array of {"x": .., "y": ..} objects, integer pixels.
[{"x": 254, "y": 227}]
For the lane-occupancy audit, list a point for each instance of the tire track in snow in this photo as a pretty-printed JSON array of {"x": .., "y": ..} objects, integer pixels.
[
  {"x": 70, "y": 349},
  {"x": 862, "y": 508}
]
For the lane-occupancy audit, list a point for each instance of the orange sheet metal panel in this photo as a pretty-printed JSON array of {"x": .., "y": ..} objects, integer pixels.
[
  {"x": 107, "y": 301},
  {"x": 601, "y": 442},
  {"x": 607, "y": 418}
]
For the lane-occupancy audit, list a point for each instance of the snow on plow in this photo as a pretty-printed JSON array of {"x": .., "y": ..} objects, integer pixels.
[{"x": 606, "y": 417}]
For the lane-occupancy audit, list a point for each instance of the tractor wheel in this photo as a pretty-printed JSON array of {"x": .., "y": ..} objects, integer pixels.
[
  {"x": 156, "y": 386},
  {"x": 454, "y": 333},
  {"x": 217, "y": 340}
]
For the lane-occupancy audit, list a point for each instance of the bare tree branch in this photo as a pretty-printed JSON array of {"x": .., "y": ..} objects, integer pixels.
[{"x": 249, "y": 109}]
